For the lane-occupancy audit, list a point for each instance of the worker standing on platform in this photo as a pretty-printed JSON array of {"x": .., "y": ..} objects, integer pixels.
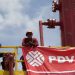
[{"x": 28, "y": 42}]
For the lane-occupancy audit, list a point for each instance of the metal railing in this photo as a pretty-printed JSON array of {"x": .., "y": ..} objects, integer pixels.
[{"x": 15, "y": 50}]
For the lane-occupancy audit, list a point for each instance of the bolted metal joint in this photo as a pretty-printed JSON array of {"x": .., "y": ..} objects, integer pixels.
[
  {"x": 51, "y": 23},
  {"x": 55, "y": 6}
]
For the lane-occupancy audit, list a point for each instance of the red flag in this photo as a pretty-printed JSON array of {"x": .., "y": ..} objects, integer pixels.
[{"x": 49, "y": 61}]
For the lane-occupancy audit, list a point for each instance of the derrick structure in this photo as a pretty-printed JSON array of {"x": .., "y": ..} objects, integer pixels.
[{"x": 66, "y": 21}]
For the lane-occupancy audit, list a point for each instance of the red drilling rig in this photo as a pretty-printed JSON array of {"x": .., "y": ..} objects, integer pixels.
[{"x": 66, "y": 10}]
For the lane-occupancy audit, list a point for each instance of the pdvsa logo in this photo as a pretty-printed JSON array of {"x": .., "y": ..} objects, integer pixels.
[
  {"x": 61, "y": 59},
  {"x": 35, "y": 58}
]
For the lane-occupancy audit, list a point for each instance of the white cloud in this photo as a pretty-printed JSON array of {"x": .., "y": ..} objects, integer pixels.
[
  {"x": 13, "y": 16},
  {"x": 10, "y": 5},
  {"x": 12, "y": 12}
]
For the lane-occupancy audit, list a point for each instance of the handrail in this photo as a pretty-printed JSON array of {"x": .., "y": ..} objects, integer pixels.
[
  {"x": 11, "y": 46},
  {"x": 20, "y": 60},
  {"x": 38, "y": 46},
  {"x": 14, "y": 51}
]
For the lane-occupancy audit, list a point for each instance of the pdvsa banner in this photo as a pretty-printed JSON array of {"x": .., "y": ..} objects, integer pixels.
[{"x": 49, "y": 61}]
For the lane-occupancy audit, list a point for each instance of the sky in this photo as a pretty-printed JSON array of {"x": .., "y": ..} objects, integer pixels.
[{"x": 19, "y": 16}]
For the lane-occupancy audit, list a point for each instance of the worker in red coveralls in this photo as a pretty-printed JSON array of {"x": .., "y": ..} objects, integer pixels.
[{"x": 28, "y": 42}]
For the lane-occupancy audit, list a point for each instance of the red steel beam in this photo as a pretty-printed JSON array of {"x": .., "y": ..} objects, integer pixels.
[{"x": 41, "y": 33}]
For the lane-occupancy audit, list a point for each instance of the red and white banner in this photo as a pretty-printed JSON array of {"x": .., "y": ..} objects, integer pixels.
[{"x": 49, "y": 61}]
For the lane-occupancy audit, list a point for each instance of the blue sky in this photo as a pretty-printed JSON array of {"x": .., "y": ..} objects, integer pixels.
[{"x": 19, "y": 16}]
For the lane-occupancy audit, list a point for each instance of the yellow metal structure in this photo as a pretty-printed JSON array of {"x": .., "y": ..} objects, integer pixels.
[
  {"x": 15, "y": 50},
  {"x": 15, "y": 72}
]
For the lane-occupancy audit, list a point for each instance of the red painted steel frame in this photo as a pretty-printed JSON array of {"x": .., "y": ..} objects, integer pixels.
[
  {"x": 67, "y": 19},
  {"x": 41, "y": 33}
]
